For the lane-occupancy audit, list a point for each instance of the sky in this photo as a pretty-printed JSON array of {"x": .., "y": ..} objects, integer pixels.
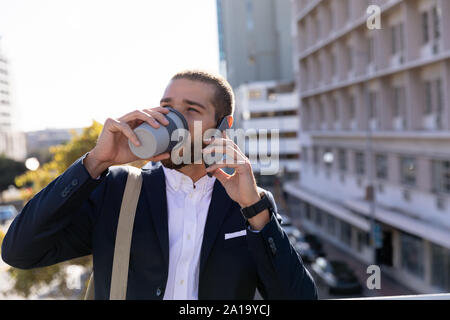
[{"x": 73, "y": 61}]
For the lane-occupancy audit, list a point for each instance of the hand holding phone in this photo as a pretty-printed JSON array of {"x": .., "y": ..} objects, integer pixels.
[{"x": 224, "y": 124}]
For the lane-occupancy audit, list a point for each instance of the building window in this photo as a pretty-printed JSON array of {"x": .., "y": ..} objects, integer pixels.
[
  {"x": 360, "y": 162},
  {"x": 308, "y": 209},
  {"x": 331, "y": 225},
  {"x": 333, "y": 65},
  {"x": 397, "y": 38},
  {"x": 433, "y": 97},
  {"x": 381, "y": 166},
  {"x": 351, "y": 108},
  {"x": 393, "y": 39},
  {"x": 399, "y": 101},
  {"x": 428, "y": 97},
  {"x": 372, "y": 101},
  {"x": 440, "y": 267},
  {"x": 431, "y": 25},
  {"x": 371, "y": 50},
  {"x": 350, "y": 58},
  {"x": 408, "y": 171},
  {"x": 425, "y": 28},
  {"x": 321, "y": 114},
  {"x": 342, "y": 158},
  {"x": 318, "y": 217},
  {"x": 334, "y": 109},
  {"x": 441, "y": 176},
  {"x": 254, "y": 94},
  {"x": 271, "y": 114},
  {"x": 412, "y": 254},
  {"x": 328, "y": 157},
  {"x": 348, "y": 10},
  {"x": 249, "y": 9},
  {"x": 363, "y": 240},
  {"x": 439, "y": 102},
  {"x": 318, "y": 28},
  {"x": 436, "y": 22},
  {"x": 316, "y": 155},
  {"x": 319, "y": 71},
  {"x": 304, "y": 156},
  {"x": 288, "y": 156},
  {"x": 346, "y": 233}
]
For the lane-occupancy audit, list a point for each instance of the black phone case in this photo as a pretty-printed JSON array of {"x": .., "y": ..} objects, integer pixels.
[{"x": 221, "y": 127}]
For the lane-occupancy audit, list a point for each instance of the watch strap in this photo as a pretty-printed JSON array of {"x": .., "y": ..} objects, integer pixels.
[{"x": 261, "y": 205}]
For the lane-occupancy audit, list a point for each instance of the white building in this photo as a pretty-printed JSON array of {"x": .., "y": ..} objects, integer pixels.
[
  {"x": 271, "y": 108},
  {"x": 12, "y": 142},
  {"x": 375, "y": 111}
]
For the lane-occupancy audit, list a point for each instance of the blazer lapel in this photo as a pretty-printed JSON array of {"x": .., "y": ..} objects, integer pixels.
[
  {"x": 155, "y": 188},
  {"x": 218, "y": 209}
]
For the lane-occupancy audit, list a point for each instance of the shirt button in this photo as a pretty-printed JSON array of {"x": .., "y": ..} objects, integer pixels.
[
  {"x": 158, "y": 292},
  {"x": 189, "y": 237},
  {"x": 181, "y": 282},
  {"x": 74, "y": 182}
]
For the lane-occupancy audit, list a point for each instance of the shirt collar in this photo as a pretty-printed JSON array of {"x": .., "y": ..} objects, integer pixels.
[{"x": 177, "y": 180}]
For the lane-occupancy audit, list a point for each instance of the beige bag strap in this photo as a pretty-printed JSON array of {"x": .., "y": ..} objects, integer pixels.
[
  {"x": 90, "y": 291},
  {"x": 119, "y": 277},
  {"x": 121, "y": 260}
]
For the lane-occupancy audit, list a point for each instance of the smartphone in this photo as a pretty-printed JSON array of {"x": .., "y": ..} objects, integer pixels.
[{"x": 224, "y": 124}]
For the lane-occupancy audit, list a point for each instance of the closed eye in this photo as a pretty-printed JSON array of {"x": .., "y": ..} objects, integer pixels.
[{"x": 192, "y": 109}]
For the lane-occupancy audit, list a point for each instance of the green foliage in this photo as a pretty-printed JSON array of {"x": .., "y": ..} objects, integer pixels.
[
  {"x": 26, "y": 279},
  {"x": 2, "y": 235}
]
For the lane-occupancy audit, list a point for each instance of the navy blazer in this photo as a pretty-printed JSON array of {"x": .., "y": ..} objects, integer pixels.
[{"x": 76, "y": 215}]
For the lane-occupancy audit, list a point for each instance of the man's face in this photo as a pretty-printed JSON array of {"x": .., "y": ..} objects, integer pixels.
[{"x": 194, "y": 99}]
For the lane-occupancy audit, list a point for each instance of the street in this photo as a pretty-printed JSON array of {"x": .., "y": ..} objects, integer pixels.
[{"x": 389, "y": 287}]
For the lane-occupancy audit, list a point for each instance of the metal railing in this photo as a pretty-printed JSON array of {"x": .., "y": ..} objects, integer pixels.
[{"x": 441, "y": 296}]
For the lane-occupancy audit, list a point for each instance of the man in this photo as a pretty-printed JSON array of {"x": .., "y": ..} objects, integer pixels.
[{"x": 190, "y": 239}]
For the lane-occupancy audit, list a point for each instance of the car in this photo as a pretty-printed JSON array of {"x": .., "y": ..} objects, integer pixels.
[
  {"x": 305, "y": 251},
  {"x": 294, "y": 234},
  {"x": 6, "y": 213},
  {"x": 298, "y": 241},
  {"x": 315, "y": 244},
  {"x": 336, "y": 275}
]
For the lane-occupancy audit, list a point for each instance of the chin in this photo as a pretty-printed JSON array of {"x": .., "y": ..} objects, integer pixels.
[{"x": 170, "y": 165}]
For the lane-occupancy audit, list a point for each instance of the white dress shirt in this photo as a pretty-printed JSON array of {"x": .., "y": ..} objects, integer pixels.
[{"x": 187, "y": 209}]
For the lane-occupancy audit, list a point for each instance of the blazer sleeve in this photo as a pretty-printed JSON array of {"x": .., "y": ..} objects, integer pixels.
[
  {"x": 281, "y": 273},
  {"x": 57, "y": 223}
]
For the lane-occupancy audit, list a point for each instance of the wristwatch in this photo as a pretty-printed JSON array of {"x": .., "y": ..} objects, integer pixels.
[{"x": 261, "y": 205}]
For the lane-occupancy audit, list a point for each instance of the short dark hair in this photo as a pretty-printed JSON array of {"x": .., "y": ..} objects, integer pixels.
[{"x": 223, "y": 99}]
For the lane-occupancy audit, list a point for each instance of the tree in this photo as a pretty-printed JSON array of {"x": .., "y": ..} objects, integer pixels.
[{"x": 63, "y": 156}]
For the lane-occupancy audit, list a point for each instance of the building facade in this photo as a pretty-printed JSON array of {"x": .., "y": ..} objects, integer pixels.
[
  {"x": 270, "y": 110},
  {"x": 12, "y": 142},
  {"x": 375, "y": 133},
  {"x": 44, "y": 139},
  {"x": 254, "y": 40}
]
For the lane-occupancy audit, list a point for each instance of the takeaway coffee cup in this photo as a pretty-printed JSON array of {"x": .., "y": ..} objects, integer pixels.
[{"x": 155, "y": 141}]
